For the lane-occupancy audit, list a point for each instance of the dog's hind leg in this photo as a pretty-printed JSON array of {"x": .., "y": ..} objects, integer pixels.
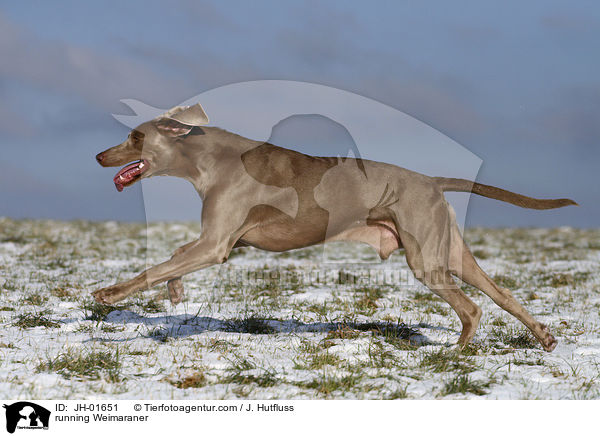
[
  {"x": 464, "y": 266},
  {"x": 468, "y": 312},
  {"x": 427, "y": 244},
  {"x": 432, "y": 273}
]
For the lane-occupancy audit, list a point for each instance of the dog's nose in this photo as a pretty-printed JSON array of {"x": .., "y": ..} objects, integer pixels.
[{"x": 100, "y": 157}]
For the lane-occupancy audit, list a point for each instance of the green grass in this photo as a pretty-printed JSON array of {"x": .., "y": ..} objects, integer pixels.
[
  {"x": 151, "y": 306},
  {"x": 9, "y": 346},
  {"x": 274, "y": 337},
  {"x": 64, "y": 292},
  {"x": 31, "y": 320},
  {"x": 382, "y": 357},
  {"x": 343, "y": 332},
  {"x": 265, "y": 379},
  {"x": 307, "y": 347},
  {"x": 98, "y": 312},
  {"x": 505, "y": 281},
  {"x": 498, "y": 322},
  {"x": 317, "y": 361},
  {"x": 557, "y": 280},
  {"x": 398, "y": 394},
  {"x": 35, "y": 299},
  {"x": 84, "y": 364},
  {"x": 328, "y": 384},
  {"x": 242, "y": 371},
  {"x": 252, "y": 325},
  {"x": 436, "y": 309},
  {"x": 514, "y": 337},
  {"x": 366, "y": 298},
  {"x": 526, "y": 362},
  {"x": 447, "y": 360},
  {"x": 220, "y": 345},
  {"x": 159, "y": 334},
  {"x": 426, "y": 297},
  {"x": 18, "y": 239},
  {"x": 463, "y": 384},
  {"x": 9, "y": 286},
  {"x": 322, "y": 310},
  {"x": 140, "y": 352},
  {"x": 396, "y": 334},
  {"x": 108, "y": 328}
]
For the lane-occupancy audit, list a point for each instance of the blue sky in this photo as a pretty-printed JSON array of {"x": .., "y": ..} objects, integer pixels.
[{"x": 516, "y": 83}]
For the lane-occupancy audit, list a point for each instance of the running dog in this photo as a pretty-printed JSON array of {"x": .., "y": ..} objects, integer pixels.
[{"x": 257, "y": 194}]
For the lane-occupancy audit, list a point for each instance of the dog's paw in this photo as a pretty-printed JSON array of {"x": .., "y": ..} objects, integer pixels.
[
  {"x": 548, "y": 341},
  {"x": 175, "y": 288},
  {"x": 107, "y": 296}
]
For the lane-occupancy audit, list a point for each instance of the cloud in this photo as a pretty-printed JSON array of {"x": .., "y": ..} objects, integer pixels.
[
  {"x": 77, "y": 72},
  {"x": 200, "y": 69},
  {"x": 331, "y": 48},
  {"x": 325, "y": 48}
]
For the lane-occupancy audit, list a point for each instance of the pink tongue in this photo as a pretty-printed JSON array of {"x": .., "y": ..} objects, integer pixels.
[{"x": 117, "y": 179}]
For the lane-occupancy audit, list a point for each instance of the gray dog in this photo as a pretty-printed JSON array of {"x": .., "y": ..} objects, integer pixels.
[{"x": 268, "y": 197}]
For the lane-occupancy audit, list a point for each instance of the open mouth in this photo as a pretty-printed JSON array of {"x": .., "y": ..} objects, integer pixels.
[{"x": 130, "y": 174}]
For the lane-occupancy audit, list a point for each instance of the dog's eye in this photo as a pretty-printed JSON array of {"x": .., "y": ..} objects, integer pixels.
[{"x": 136, "y": 137}]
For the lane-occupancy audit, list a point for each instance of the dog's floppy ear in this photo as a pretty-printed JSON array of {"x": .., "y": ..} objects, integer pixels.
[
  {"x": 180, "y": 120},
  {"x": 191, "y": 116},
  {"x": 172, "y": 128}
]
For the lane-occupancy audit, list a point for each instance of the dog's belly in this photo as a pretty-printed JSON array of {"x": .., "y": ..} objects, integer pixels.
[
  {"x": 287, "y": 234},
  {"x": 271, "y": 229},
  {"x": 282, "y": 237},
  {"x": 378, "y": 234}
]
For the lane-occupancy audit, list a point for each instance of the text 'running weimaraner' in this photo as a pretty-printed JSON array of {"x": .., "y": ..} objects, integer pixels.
[{"x": 257, "y": 194}]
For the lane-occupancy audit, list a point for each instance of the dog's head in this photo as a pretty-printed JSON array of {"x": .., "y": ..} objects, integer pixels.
[{"x": 153, "y": 148}]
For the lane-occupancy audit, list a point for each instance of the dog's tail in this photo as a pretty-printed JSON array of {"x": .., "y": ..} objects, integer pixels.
[{"x": 462, "y": 185}]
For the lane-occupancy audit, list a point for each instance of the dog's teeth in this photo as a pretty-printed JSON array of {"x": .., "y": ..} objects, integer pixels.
[
  {"x": 121, "y": 178},
  {"x": 141, "y": 165}
]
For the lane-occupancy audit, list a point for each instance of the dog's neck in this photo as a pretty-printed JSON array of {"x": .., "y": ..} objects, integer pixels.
[{"x": 208, "y": 154}]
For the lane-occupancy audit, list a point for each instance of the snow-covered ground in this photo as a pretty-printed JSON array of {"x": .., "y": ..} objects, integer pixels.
[{"x": 295, "y": 325}]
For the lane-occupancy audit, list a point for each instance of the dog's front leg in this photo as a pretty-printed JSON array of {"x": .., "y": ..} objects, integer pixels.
[
  {"x": 175, "y": 290},
  {"x": 175, "y": 286},
  {"x": 197, "y": 255}
]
